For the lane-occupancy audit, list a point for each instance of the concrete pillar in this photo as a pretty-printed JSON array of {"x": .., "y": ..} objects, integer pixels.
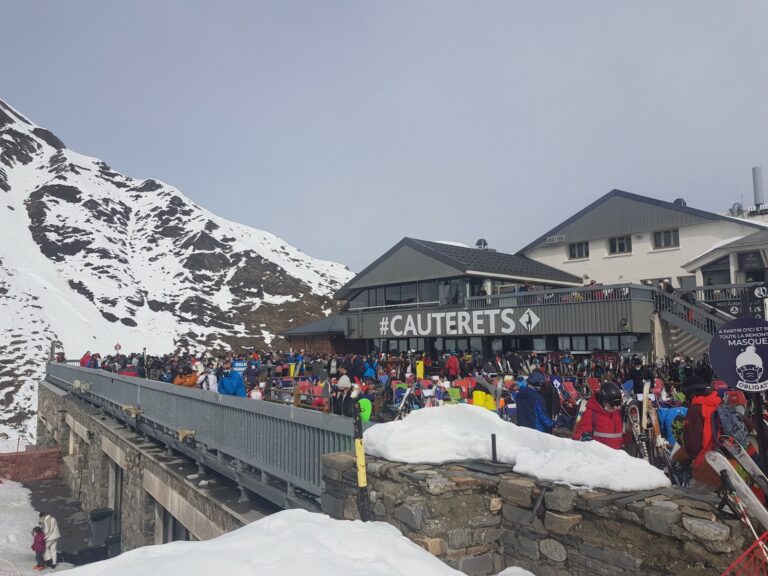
[{"x": 733, "y": 265}]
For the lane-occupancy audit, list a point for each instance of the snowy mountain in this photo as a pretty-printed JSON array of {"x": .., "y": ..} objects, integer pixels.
[{"x": 91, "y": 257}]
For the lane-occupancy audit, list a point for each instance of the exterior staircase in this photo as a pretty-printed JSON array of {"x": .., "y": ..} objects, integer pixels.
[
  {"x": 682, "y": 342},
  {"x": 686, "y": 328}
]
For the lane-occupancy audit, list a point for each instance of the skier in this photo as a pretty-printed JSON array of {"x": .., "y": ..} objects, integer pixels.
[
  {"x": 602, "y": 419},
  {"x": 531, "y": 412},
  {"x": 698, "y": 432}
]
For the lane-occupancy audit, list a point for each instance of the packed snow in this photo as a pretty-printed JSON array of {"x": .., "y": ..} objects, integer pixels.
[
  {"x": 291, "y": 542},
  {"x": 17, "y": 518},
  {"x": 463, "y": 432}
]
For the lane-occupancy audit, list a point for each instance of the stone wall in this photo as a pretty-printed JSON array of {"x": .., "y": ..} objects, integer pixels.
[{"x": 480, "y": 523}]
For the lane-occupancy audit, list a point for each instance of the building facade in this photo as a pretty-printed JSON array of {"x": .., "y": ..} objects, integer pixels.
[
  {"x": 624, "y": 237},
  {"x": 434, "y": 297}
]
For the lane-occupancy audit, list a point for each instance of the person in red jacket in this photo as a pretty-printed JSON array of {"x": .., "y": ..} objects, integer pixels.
[
  {"x": 452, "y": 367},
  {"x": 85, "y": 359},
  {"x": 601, "y": 420},
  {"x": 38, "y": 546}
]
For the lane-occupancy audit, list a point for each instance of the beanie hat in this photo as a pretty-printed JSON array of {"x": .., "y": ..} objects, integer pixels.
[{"x": 749, "y": 358}]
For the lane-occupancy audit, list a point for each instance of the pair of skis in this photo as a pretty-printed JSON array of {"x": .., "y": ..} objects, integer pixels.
[{"x": 738, "y": 496}]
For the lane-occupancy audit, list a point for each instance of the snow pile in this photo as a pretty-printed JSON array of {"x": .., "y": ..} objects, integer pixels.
[
  {"x": 463, "y": 432},
  {"x": 291, "y": 542}
]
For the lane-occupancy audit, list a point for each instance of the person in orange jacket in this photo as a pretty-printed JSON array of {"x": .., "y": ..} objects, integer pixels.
[
  {"x": 186, "y": 377},
  {"x": 698, "y": 433}
]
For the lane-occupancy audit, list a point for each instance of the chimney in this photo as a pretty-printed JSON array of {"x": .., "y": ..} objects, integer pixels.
[
  {"x": 481, "y": 244},
  {"x": 757, "y": 185}
]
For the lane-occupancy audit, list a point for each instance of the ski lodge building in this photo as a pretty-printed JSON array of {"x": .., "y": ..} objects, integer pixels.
[{"x": 589, "y": 284}]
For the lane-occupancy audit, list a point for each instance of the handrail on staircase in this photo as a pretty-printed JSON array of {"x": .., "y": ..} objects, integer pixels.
[{"x": 685, "y": 315}]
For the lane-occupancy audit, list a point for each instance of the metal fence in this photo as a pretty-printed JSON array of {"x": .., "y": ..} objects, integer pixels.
[{"x": 284, "y": 442}]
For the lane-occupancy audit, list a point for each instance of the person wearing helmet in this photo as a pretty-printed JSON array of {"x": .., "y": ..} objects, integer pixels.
[
  {"x": 601, "y": 420},
  {"x": 698, "y": 432}
]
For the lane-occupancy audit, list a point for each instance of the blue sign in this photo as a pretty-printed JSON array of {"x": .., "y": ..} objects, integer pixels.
[
  {"x": 239, "y": 365},
  {"x": 739, "y": 354}
]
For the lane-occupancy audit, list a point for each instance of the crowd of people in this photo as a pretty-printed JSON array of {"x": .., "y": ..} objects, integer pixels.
[{"x": 548, "y": 392}]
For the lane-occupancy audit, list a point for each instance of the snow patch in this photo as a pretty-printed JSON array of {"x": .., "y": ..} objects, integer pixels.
[{"x": 463, "y": 432}]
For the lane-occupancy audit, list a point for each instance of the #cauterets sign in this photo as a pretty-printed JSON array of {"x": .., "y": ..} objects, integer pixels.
[{"x": 457, "y": 323}]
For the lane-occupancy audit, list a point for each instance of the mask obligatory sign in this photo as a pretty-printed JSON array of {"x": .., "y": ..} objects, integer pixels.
[{"x": 739, "y": 354}]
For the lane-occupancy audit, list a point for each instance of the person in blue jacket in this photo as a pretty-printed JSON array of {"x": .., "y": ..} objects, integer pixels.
[
  {"x": 531, "y": 412},
  {"x": 231, "y": 382}
]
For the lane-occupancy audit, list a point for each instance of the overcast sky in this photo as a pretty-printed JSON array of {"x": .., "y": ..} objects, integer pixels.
[{"x": 344, "y": 126}]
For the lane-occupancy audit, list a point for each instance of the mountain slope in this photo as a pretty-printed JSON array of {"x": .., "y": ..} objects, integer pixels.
[{"x": 91, "y": 257}]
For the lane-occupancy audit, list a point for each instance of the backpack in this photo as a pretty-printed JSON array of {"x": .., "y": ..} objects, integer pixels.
[{"x": 728, "y": 422}]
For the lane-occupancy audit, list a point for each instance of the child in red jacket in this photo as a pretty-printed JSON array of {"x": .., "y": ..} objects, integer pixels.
[{"x": 38, "y": 545}]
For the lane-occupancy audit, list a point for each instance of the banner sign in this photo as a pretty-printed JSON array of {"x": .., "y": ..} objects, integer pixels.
[
  {"x": 459, "y": 323},
  {"x": 739, "y": 354},
  {"x": 239, "y": 365}
]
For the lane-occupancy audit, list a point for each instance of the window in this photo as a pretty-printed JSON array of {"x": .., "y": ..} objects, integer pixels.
[
  {"x": 628, "y": 341},
  {"x": 428, "y": 291},
  {"x": 451, "y": 292},
  {"x": 564, "y": 343},
  {"x": 578, "y": 250},
  {"x": 666, "y": 239},
  {"x": 359, "y": 301},
  {"x": 610, "y": 342},
  {"x": 594, "y": 343},
  {"x": 579, "y": 343},
  {"x": 392, "y": 295},
  {"x": 620, "y": 245},
  {"x": 408, "y": 293},
  {"x": 377, "y": 297}
]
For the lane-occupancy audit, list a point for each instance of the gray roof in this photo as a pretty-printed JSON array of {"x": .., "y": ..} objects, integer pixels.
[
  {"x": 440, "y": 260},
  {"x": 619, "y": 213},
  {"x": 333, "y": 324},
  {"x": 757, "y": 239}
]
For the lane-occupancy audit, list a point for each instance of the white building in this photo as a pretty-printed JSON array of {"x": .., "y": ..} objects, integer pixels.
[{"x": 624, "y": 237}]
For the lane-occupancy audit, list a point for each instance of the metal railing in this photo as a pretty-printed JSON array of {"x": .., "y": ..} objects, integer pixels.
[
  {"x": 687, "y": 316},
  {"x": 724, "y": 297},
  {"x": 262, "y": 440},
  {"x": 544, "y": 297}
]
